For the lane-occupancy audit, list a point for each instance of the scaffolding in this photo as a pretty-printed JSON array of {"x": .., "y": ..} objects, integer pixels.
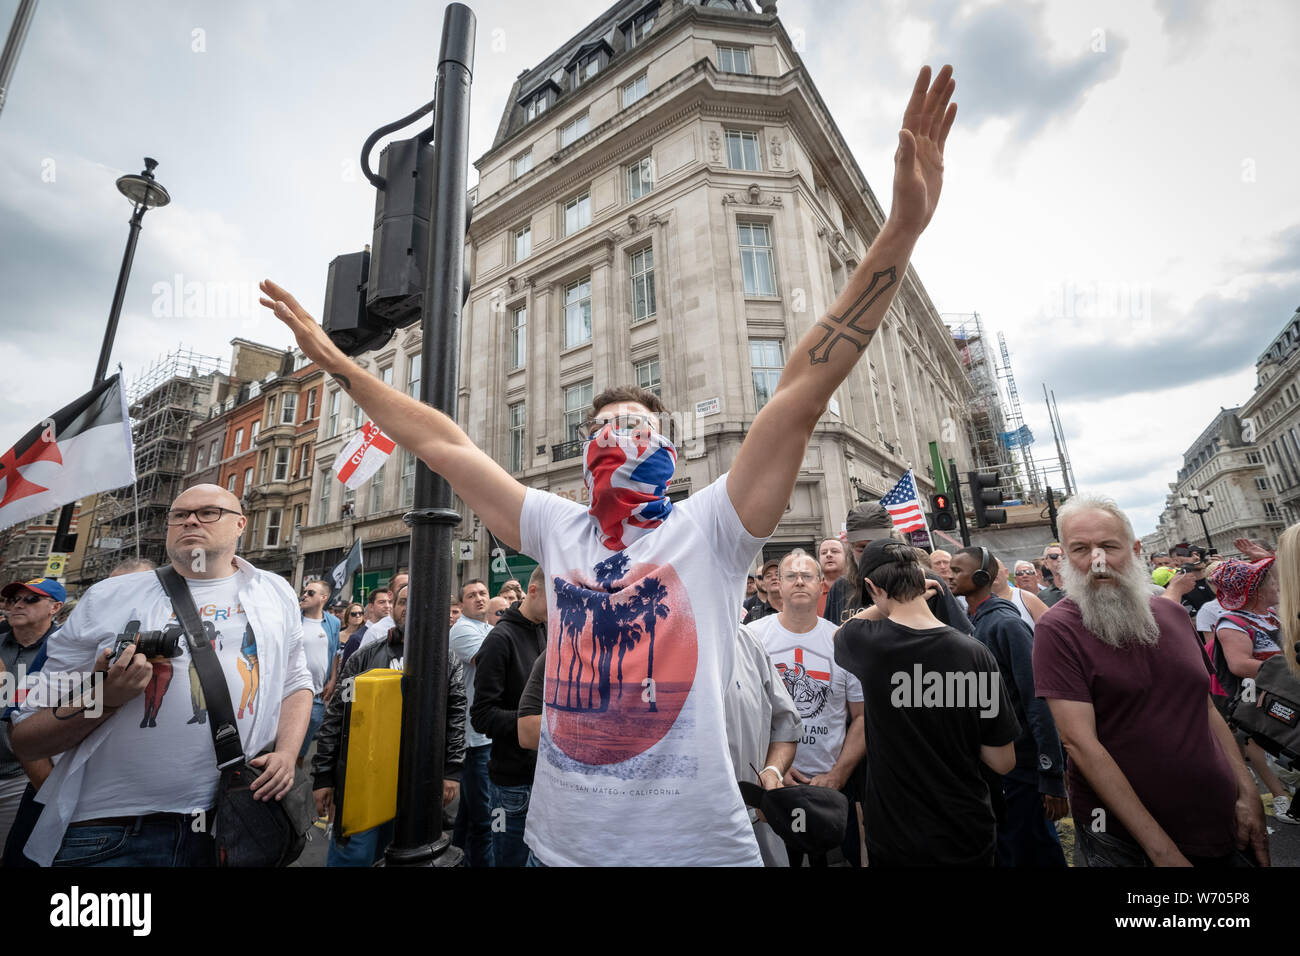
[
  {"x": 1019, "y": 436},
  {"x": 166, "y": 401},
  {"x": 986, "y": 423}
]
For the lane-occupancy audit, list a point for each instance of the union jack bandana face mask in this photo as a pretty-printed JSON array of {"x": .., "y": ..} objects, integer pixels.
[{"x": 627, "y": 476}]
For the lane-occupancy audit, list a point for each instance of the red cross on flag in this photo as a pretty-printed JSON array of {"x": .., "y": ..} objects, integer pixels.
[
  {"x": 364, "y": 455},
  {"x": 83, "y": 448}
]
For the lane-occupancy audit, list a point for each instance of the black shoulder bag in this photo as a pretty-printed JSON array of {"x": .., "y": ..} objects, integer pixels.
[{"x": 247, "y": 831}]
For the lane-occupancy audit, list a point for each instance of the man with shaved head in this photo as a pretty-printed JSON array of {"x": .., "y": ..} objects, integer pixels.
[
  {"x": 941, "y": 564},
  {"x": 137, "y": 781}
]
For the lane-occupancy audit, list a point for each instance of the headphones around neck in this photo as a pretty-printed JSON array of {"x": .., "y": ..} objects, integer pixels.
[{"x": 982, "y": 578}]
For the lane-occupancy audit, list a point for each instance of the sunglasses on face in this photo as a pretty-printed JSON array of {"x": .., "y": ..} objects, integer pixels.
[{"x": 26, "y": 599}]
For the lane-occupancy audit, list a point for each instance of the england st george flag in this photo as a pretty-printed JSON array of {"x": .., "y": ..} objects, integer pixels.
[
  {"x": 364, "y": 455},
  {"x": 83, "y": 448}
]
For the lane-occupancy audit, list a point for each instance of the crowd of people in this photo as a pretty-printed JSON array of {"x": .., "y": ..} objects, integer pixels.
[
  {"x": 923, "y": 707},
  {"x": 668, "y": 688}
]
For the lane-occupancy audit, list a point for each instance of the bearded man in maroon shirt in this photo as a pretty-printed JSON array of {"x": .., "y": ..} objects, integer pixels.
[{"x": 1155, "y": 777}]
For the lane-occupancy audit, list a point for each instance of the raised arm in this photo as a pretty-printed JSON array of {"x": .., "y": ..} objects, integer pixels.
[
  {"x": 768, "y": 462},
  {"x": 436, "y": 440}
]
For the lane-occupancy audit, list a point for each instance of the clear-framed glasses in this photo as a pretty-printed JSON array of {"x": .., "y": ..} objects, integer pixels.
[
  {"x": 622, "y": 425},
  {"x": 799, "y": 576},
  {"x": 207, "y": 514}
]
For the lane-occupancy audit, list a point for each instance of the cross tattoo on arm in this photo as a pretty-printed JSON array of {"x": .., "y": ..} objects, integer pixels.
[{"x": 839, "y": 326}]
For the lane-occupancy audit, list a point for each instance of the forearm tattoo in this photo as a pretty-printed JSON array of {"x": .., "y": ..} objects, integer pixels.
[
  {"x": 343, "y": 380},
  {"x": 846, "y": 326}
]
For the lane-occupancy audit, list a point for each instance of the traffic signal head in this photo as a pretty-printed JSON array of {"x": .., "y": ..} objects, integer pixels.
[
  {"x": 346, "y": 320},
  {"x": 984, "y": 492},
  {"x": 395, "y": 290},
  {"x": 941, "y": 509}
]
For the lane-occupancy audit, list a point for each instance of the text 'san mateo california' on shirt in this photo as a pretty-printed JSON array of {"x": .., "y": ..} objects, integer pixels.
[
  {"x": 633, "y": 767},
  {"x": 1151, "y": 705}
]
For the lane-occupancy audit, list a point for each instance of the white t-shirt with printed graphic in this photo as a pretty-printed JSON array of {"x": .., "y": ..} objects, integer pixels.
[
  {"x": 822, "y": 690},
  {"x": 633, "y": 767},
  {"x": 161, "y": 743}
]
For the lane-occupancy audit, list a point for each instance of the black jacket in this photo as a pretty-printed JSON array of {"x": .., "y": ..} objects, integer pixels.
[
  {"x": 503, "y": 664},
  {"x": 382, "y": 654},
  {"x": 1000, "y": 628}
]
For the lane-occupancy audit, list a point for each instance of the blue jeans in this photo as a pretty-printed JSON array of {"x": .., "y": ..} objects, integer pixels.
[
  {"x": 472, "y": 831},
  {"x": 171, "y": 842},
  {"x": 363, "y": 849},
  {"x": 532, "y": 860},
  {"x": 508, "y": 848},
  {"x": 317, "y": 718}
]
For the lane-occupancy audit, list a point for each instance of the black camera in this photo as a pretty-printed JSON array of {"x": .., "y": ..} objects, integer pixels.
[{"x": 152, "y": 644}]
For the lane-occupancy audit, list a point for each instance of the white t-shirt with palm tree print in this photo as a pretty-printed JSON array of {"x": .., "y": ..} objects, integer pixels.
[{"x": 633, "y": 767}]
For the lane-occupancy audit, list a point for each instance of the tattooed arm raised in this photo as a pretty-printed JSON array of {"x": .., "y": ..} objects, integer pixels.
[{"x": 768, "y": 462}]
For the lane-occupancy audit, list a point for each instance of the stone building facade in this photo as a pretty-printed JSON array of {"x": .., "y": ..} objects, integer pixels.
[
  {"x": 1272, "y": 417},
  {"x": 668, "y": 202}
]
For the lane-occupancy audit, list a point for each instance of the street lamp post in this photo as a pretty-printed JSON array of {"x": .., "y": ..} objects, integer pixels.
[
  {"x": 145, "y": 193},
  {"x": 1199, "y": 504}
]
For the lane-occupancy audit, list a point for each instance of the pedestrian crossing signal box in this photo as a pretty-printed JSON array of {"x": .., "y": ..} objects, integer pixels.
[
  {"x": 368, "y": 753},
  {"x": 941, "y": 509}
]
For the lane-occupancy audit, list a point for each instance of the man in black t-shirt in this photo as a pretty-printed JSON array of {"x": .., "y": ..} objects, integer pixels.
[{"x": 935, "y": 710}]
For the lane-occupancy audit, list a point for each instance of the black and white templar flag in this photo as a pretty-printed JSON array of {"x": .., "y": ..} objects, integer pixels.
[
  {"x": 83, "y": 448},
  {"x": 344, "y": 570}
]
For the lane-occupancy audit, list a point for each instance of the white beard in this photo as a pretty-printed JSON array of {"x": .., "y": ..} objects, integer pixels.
[{"x": 1118, "y": 613}]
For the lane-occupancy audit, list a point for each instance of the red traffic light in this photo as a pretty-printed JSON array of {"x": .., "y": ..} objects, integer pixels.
[{"x": 941, "y": 502}]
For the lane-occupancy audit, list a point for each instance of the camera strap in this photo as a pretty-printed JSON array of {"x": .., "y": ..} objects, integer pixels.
[{"x": 216, "y": 693}]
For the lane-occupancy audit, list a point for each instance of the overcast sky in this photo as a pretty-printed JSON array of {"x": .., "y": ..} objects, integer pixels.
[{"x": 1121, "y": 196}]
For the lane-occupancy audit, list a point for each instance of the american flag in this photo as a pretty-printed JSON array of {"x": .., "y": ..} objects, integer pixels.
[{"x": 904, "y": 505}]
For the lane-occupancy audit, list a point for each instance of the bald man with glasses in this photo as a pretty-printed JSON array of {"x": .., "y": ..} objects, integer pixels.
[{"x": 137, "y": 781}]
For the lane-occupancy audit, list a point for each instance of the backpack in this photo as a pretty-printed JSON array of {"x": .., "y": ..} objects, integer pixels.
[
  {"x": 1228, "y": 683},
  {"x": 1269, "y": 711}
]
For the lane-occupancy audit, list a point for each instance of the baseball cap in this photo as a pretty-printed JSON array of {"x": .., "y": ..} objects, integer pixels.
[
  {"x": 866, "y": 522},
  {"x": 811, "y": 819},
  {"x": 1162, "y": 576},
  {"x": 883, "y": 551},
  {"x": 46, "y": 587}
]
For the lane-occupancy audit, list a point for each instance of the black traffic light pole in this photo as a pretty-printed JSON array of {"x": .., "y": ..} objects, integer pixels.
[
  {"x": 418, "y": 838},
  {"x": 957, "y": 503}
]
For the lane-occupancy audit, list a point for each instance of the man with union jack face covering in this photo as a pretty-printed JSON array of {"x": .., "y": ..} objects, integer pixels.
[{"x": 644, "y": 594}]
